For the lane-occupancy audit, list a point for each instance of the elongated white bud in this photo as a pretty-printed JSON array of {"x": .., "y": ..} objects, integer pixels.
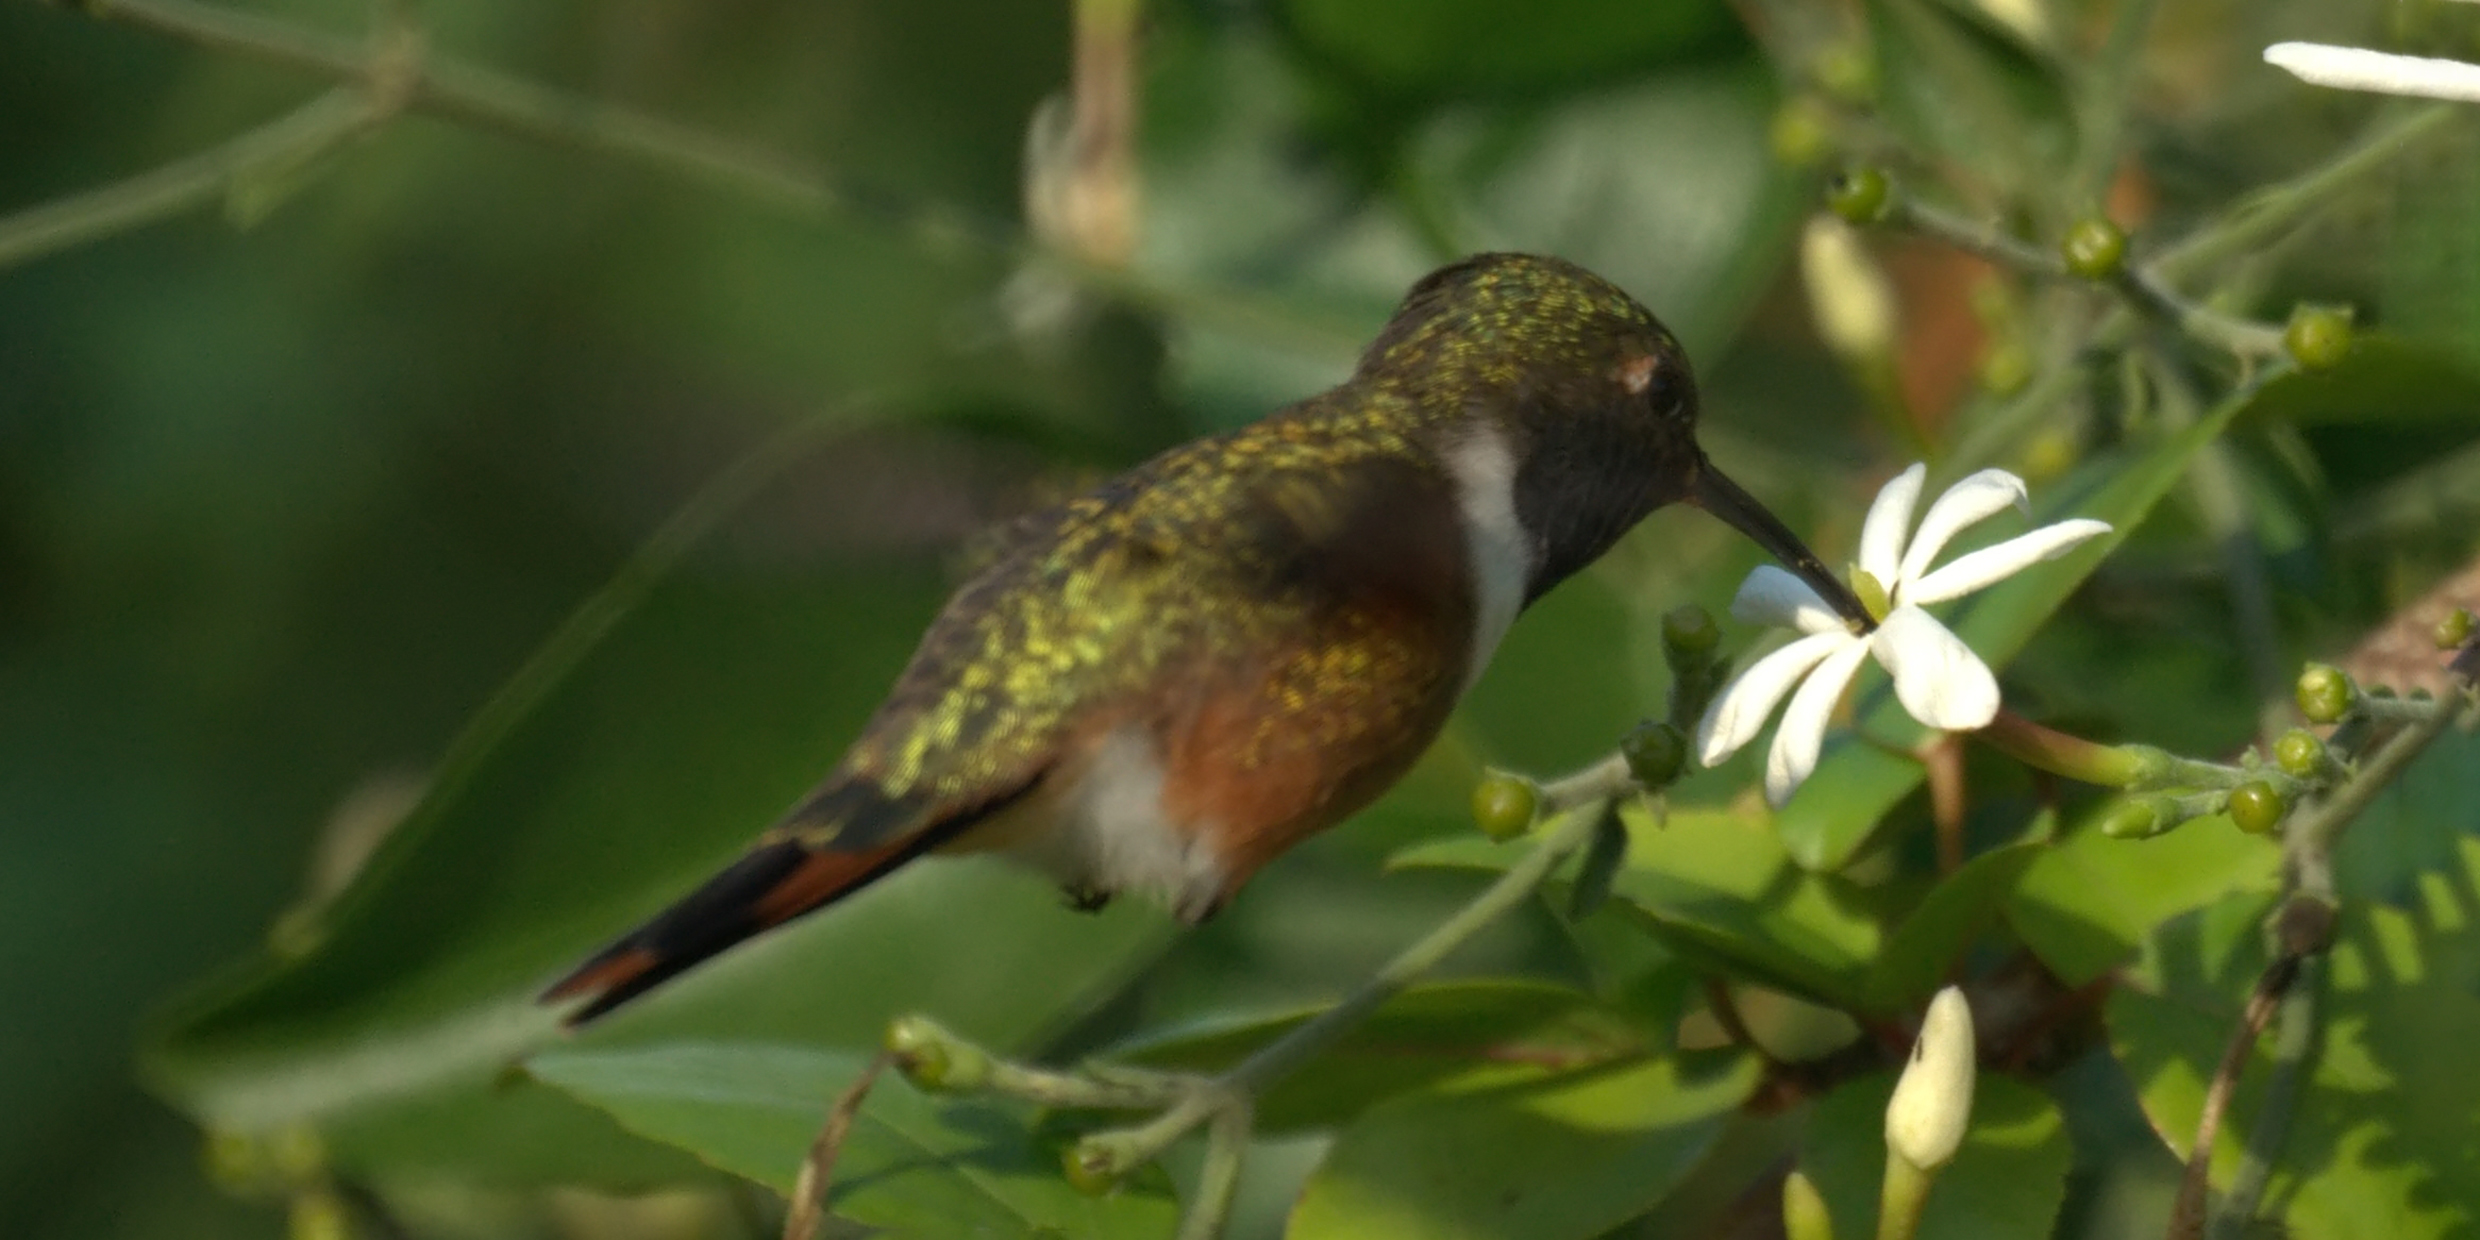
[
  {"x": 1850, "y": 296},
  {"x": 1932, "y": 1104},
  {"x": 2358, "y": 68}
]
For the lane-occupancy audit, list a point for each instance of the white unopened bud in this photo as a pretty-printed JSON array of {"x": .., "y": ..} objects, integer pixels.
[
  {"x": 1932, "y": 1104},
  {"x": 2359, "y": 68},
  {"x": 1847, "y": 292}
]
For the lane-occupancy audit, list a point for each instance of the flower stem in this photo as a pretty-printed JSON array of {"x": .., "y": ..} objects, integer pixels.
[
  {"x": 1901, "y": 1199},
  {"x": 2114, "y": 766}
]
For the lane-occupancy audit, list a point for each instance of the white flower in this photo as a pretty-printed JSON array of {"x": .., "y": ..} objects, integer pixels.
[
  {"x": 1936, "y": 677},
  {"x": 1932, "y": 1103},
  {"x": 2358, "y": 68}
]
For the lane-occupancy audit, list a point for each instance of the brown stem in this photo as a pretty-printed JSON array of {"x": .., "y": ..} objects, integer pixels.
[
  {"x": 2187, "y": 1216},
  {"x": 1942, "y": 759},
  {"x": 809, "y": 1189}
]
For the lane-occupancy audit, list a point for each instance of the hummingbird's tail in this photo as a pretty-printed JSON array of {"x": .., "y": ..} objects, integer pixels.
[{"x": 777, "y": 880}]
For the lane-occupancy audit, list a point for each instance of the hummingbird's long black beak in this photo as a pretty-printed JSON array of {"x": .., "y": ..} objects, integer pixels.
[{"x": 1722, "y": 497}]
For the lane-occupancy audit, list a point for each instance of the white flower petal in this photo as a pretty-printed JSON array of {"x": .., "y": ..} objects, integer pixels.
[
  {"x": 1996, "y": 563},
  {"x": 1936, "y": 677},
  {"x": 1973, "y": 499},
  {"x": 1802, "y": 732},
  {"x": 1777, "y": 598},
  {"x": 1890, "y": 518},
  {"x": 2357, "y": 68},
  {"x": 1736, "y": 716}
]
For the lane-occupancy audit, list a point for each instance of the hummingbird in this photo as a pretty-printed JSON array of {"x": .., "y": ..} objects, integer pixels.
[{"x": 1164, "y": 683}]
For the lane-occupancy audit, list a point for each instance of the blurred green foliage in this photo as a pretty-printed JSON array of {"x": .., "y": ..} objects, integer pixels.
[{"x": 433, "y": 561}]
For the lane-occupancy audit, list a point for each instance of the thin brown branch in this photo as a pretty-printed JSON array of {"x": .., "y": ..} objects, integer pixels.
[
  {"x": 2187, "y": 1216},
  {"x": 809, "y": 1189}
]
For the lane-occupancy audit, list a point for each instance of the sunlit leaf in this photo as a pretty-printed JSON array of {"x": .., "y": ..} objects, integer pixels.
[
  {"x": 1919, "y": 954},
  {"x": 2381, "y": 1142},
  {"x": 1717, "y": 888},
  {"x": 1524, "y": 1154},
  {"x": 916, "y": 1166},
  {"x": 1425, "y": 1035}
]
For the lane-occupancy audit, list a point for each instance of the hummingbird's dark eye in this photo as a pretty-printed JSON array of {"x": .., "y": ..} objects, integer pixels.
[{"x": 1663, "y": 390}]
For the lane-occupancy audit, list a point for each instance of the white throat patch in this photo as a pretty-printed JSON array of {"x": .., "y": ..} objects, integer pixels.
[{"x": 1495, "y": 542}]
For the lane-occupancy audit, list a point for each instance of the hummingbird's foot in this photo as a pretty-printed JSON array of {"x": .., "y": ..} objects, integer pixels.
[{"x": 1086, "y": 899}]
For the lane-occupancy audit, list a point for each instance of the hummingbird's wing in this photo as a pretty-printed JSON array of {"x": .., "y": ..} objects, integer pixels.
[{"x": 1259, "y": 604}]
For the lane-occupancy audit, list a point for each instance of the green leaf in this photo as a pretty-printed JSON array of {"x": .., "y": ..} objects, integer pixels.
[
  {"x": 1230, "y": 201},
  {"x": 1833, "y": 814},
  {"x": 1524, "y": 1154},
  {"x": 2430, "y": 254},
  {"x": 1921, "y": 952},
  {"x": 2411, "y": 829},
  {"x": 2007, "y": 1181},
  {"x": 1971, "y": 90},
  {"x": 1425, "y": 49},
  {"x": 2385, "y": 379},
  {"x": 2087, "y": 902},
  {"x": 1603, "y": 855},
  {"x": 1682, "y": 159},
  {"x": 2379, "y": 1143},
  {"x": 672, "y": 719},
  {"x": 913, "y": 1164},
  {"x": 1717, "y": 888},
  {"x": 1425, "y": 1035}
]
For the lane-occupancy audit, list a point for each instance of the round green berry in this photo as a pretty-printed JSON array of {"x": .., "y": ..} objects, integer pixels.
[
  {"x": 1846, "y": 72},
  {"x": 2318, "y": 337},
  {"x": 318, "y": 1215},
  {"x": 2299, "y": 753},
  {"x": 1801, "y": 134},
  {"x": 1503, "y": 806},
  {"x": 1859, "y": 195},
  {"x": 2005, "y": 368},
  {"x": 2094, "y": 248},
  {"x": 1655, "y": 751},
  {"x": 2256, "y": 807},
  {"x": 2324, "y": 694},
  {"x": 2454, "y": 630}
]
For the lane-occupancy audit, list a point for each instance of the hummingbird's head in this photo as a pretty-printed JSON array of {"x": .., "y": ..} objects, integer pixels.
[{"x": 1590, "y": 398}]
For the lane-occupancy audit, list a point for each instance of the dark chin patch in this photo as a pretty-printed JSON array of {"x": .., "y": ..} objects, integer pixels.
[{"x": 1580, "y": 489}]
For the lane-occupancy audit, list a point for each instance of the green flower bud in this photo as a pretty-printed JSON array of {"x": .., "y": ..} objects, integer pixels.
[
  {"x": 1804, "y": 1212},
  {"x": 2454, "y": 630},
  {"x": 2300, "y": 754},
  {"x": 2324, "y": 693},
  {"x": 2318, "y": 337},
  {"x": 2094, "y": 248},
  {"x": 1091, "y": 1167},
  {"x": 1860, "y": 194},
  {"x": 2256, "y": 807},
  {"x": 2140, "y": 817},
  {"x": 1503, "y": 805},
  {"x": 934, "y": 1059},
  {"x": 1654, "y": 751},
  {"x": 1689, "y": 635}
]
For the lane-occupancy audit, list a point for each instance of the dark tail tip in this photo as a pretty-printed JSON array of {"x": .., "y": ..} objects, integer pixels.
[{"x": 720, "y": 913}]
